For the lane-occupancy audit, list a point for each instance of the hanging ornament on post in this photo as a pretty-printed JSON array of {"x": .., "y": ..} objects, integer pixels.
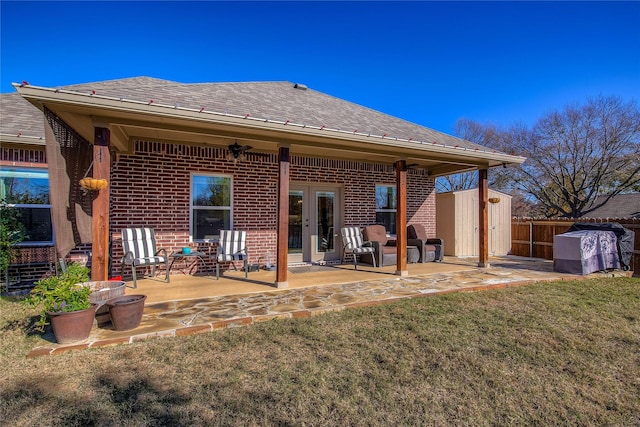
[{"x": 93, "y": 184}]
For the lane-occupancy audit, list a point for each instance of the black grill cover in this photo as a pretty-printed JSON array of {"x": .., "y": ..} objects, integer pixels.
[{"x": 624, "y": 236}]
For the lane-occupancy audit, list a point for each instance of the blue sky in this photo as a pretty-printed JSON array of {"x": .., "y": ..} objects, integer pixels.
[{"x": 427, "y": 62}]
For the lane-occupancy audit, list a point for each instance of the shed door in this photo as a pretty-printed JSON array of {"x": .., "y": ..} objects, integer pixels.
[{"x": 494, "y": 228}]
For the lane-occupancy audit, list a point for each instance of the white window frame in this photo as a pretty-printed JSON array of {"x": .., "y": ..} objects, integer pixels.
[
  {"x": 34, "y": 206},
  {"x": 193, "y": 208},
  {"x": 386, "y": 210}
]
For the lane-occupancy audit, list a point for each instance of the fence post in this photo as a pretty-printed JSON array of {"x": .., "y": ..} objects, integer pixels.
[{"x": 530, "y": 239}]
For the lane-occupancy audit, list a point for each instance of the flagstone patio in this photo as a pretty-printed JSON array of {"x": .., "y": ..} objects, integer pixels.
[{"x": 198, "y": 304}]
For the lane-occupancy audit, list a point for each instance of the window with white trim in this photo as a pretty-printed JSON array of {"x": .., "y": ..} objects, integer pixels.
[
  {"x": 27, "y": 191},
  {"x": 386, "y": 207},
  {"x": 211, "y": 206}
]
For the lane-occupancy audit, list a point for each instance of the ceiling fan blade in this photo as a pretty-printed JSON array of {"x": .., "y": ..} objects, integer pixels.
[{"x": 245, "y": 148}]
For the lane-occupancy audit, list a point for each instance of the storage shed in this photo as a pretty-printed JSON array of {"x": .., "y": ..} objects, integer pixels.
[{"x": 457, "y": 222}]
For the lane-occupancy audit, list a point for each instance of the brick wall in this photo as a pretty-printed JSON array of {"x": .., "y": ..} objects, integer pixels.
[
  {"x": 23, "y": 156},
  {"x": 151, "y": 188}
]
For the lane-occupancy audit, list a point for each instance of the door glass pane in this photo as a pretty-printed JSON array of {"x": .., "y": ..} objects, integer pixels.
[
  {"x": 325, "y": 204},
  {"x": 295, "y": 222}
]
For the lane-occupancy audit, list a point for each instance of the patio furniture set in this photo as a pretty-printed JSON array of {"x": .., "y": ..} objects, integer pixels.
[
  {"x": 374, "y": 247},
  {"x": 140, "y": 250},
  {"x": 371, "y": 244}
]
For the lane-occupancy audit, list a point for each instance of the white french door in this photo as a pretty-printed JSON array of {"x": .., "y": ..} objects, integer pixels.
[{"x": 314, "y": 220}]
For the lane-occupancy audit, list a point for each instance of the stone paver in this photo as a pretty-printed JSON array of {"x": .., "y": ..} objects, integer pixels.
[{"x": 187, "y": 317}]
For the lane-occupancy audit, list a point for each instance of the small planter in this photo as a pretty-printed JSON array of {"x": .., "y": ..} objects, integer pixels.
[
  {"x": 101, "y": 292},
  {"x": 74, "y": 325},
  {"x": 126, "y": 311}
]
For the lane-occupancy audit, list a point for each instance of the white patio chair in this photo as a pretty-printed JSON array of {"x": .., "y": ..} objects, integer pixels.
[
  {"x": 354, "y": 244},
  {"x": 232, "y": 247},
  {"x": 139, "y": 245}
]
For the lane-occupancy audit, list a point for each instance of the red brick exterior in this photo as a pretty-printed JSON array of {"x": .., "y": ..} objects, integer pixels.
[
  {"x": 23, "y": 156},
  {"x": 151, "y": 188}
]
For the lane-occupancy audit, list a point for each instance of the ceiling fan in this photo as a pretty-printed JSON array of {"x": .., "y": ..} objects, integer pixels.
[
  {"x": 236, "y": 151},
  {"x": 409, "y": 166}
]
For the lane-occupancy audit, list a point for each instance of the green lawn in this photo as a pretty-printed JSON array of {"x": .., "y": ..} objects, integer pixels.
[{"x": 562, "y": 353}]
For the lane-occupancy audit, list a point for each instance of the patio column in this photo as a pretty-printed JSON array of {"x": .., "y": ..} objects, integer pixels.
[
  {"x": 483, "y": 219},
  {"x": 401, "y": 218},
  {"x": 100, "y": 206},
  {"x": 282, "y": 227}
]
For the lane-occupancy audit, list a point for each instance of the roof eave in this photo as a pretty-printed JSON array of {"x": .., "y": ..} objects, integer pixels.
[{"x": 104, "y": 107}]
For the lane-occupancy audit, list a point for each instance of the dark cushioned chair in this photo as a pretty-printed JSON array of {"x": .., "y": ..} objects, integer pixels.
[
  {"x": 385, "y": 248},
  {"x": 431, "y": 249}
]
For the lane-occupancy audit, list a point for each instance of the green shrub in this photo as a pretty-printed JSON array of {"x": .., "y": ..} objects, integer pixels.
[
  {"x": 11, "y": 231},
  {"x": 61, "y": 293}
]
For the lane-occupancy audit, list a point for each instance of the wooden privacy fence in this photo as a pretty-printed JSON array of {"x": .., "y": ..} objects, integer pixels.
[{"x": 534, "y": 237}]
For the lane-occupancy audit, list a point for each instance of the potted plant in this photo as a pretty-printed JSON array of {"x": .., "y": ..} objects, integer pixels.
[{"x": 65, "y": 302}]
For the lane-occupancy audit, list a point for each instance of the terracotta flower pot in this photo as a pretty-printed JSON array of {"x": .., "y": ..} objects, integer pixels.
[
  {"x": 73, "y": 326},
  {"x": 126, "y": 311},
  {"x": 102, "y": 291}
]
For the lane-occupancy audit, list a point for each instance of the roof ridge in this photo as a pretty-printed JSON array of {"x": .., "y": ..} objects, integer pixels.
[
  {"x": 138, "y": 79},
  {"x": 241, "y": 83}
]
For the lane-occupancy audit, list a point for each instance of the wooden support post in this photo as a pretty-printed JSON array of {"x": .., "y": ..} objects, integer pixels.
[
  {"x": 483, "y": 218},
  {"x": 282, "y": 229},
  {"x": 401, "y": 218},
  {"x": 100, "y": 207}
]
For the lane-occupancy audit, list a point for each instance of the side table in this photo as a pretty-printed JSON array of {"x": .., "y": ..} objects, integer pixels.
[{"x": 199, "y": 257}]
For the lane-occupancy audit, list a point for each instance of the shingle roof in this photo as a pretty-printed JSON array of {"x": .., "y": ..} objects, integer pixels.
[
  {"x": 620, "y": 206},
  {"x": 19, "y": 117},
  {"x": 278, "y": 101}
]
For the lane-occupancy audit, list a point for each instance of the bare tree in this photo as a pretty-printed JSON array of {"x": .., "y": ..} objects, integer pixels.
[
  {"x": 469, "y": 130},
  {"x": 578, "y": 154}
]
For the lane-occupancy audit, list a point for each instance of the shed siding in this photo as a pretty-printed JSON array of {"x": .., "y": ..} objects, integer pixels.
[{"x": 461, "y": 233}]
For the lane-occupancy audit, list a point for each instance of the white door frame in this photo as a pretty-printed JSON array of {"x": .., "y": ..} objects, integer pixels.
[{"x": 310, "y": 223}]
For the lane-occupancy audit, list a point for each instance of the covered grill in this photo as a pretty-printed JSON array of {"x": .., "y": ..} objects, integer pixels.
[{"x": 585, "y": 251}]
